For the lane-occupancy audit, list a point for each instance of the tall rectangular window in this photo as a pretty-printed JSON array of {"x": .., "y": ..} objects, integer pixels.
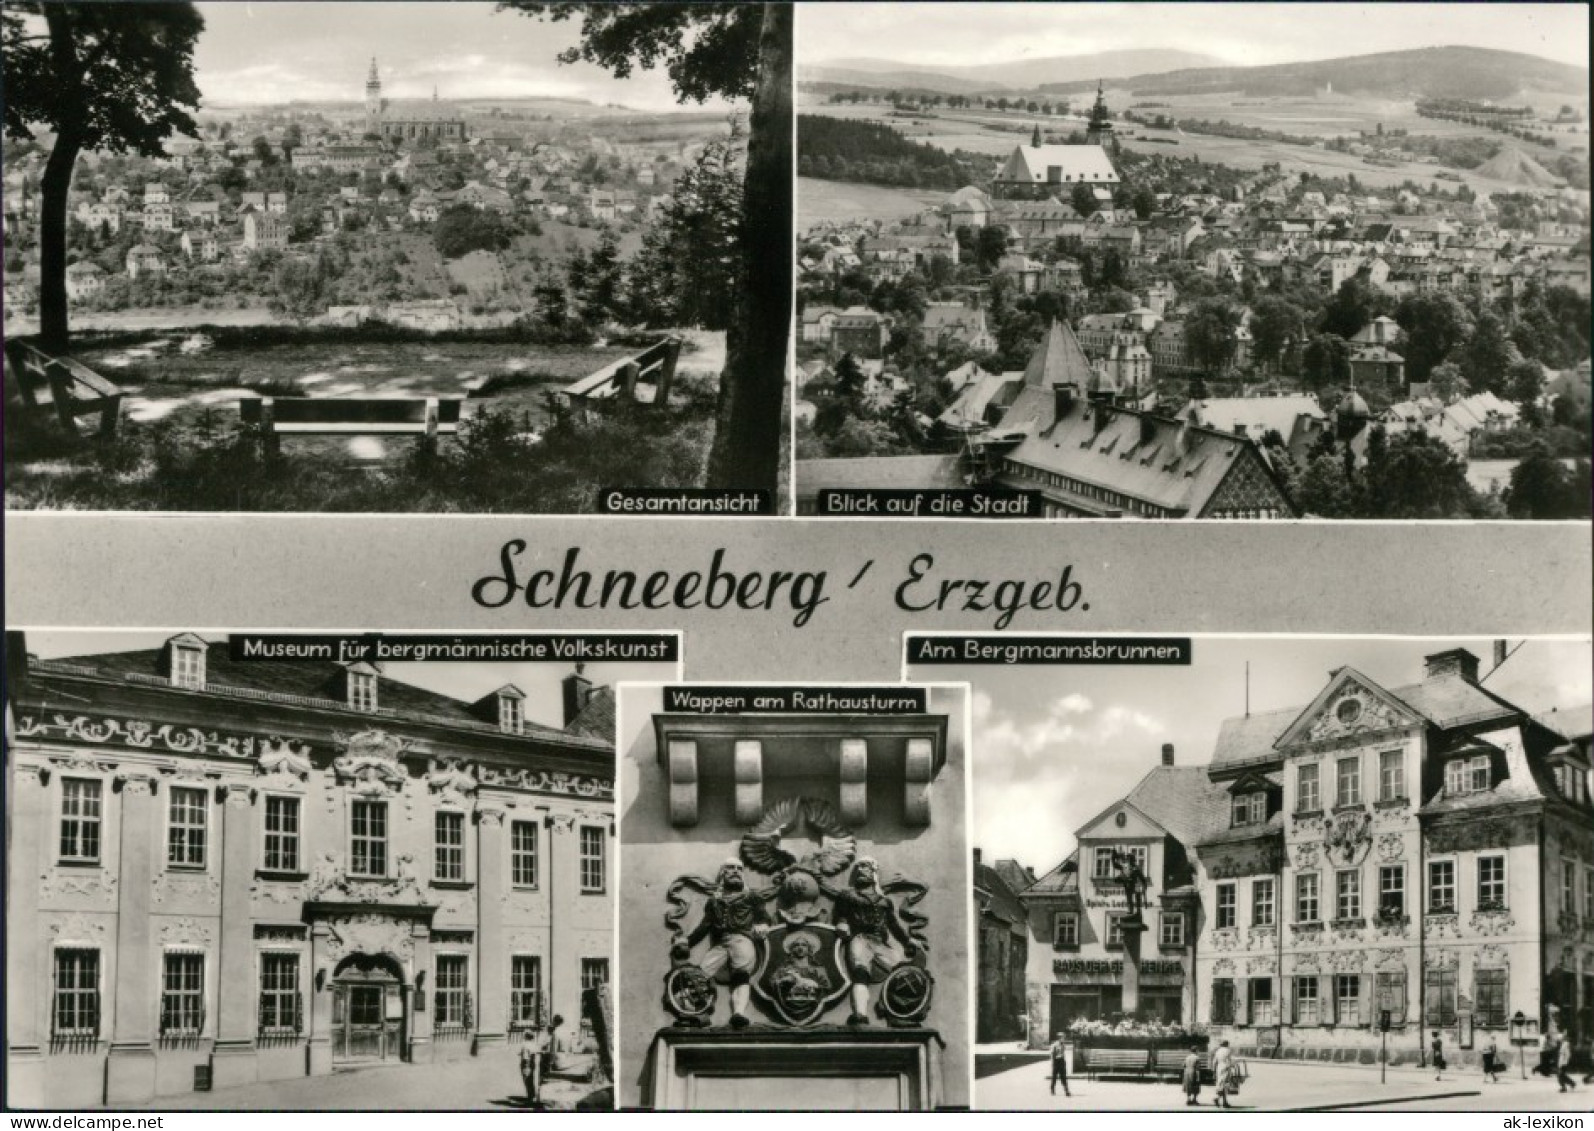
[
  {"x": 280, "y": 1009},
  {"x": 80, "y": 819},
  {"x": 593, "y": 870},
  {"x": 1101, "y": 859},
  {"x": 594, "y": 972},
  {"x": 1491, "y": 882},
  {"x": 1065, "y": 930},
  {"x": 449, "y": 847},
  {"x": 1348, "y": 781},
  {"x": 1441, "y": 886},
  {"x": 1227, "y": 898},
  {"x": 1348, "y": 895},
  {"x": 1491, "y": 997},
  {"x": 523, "y": 854},
  {"x": 1172, "y": 929},
  {"x": 1115, "y": 930},
  {"x": 1392, "y": 889},
  {"x": 1392, "y": 775},
  {"x": 1306, "y": 893},
  {"x": 511, "y": 715},
  {"x": 525, "y": 990},
  {"x": 1262, "y": 1011},
  {"x": 1392, "y": 995},
  {"x": 185, "y": 828},
  {"x": 1306, "y": 1000},
  {"x": 182, "y": 994},
  {"x": 1568, "y": 887},
  {"x": 1223, "y": 1001},
  {"x": 1262, "y": 903},
  {"x": 452, "y": 996},
  {"x": 282, "y": 834},
  {"x": 1347, "y": 998},
  {"x": 1308, "y": 794},
  {"x": 1439, "y": 998},
  {"x": 76, "y": 1011},
  {"x": 368, "y": 838}
]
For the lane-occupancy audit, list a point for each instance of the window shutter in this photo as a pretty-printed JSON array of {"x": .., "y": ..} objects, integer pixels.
[
  {"x": 1286, "y": 1001},
  {"x": 1398, "y": 997},
  {"x": 1364, "y": 987},
  {"x": 339, "y": 1000},
  {"x": 298, "y": 1013},
  {"x": 1327, "y": 1003},
  {"x": 1242, "y": 1003}
]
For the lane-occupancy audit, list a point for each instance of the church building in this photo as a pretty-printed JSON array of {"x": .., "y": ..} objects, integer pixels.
[{"x": 410, "y": 121}]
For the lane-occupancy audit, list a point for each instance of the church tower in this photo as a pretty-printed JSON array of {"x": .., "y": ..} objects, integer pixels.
[
  {"x": 1098, "y": 131},
  {"x": 373, "y": 100}
]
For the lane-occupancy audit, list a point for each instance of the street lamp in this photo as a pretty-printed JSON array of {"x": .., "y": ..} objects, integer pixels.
[{"x": 1519, "y": 1038}]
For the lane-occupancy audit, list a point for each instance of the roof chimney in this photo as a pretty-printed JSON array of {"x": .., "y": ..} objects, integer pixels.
[
  {"x": 1501, "y": 653},
  {"x": 976, "y": 857},
  {"x": 577, "y": 690},
  {"x": 1455, "y": 661},
  {"x": 1167, "y": 753}
]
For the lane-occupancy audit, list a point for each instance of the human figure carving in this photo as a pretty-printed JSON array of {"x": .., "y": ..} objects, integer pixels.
[
  {"x": 732, "y": 918},
  {"x": 869, "y": 919}
]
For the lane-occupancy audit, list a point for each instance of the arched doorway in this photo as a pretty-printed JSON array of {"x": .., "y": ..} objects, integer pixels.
[{"x": 369, "y": 1009}]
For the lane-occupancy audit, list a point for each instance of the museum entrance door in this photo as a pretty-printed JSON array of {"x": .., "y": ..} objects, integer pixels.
[{"x": 368, "y": 1010}]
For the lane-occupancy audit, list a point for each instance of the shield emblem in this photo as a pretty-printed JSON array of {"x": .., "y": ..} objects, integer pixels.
[{"x": 800, "y": 972}]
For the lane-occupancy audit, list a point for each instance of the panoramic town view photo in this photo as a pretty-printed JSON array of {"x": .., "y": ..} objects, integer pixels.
[
  {"x": 1198, "y": 261},
  {"x": 1288, "y": 874},
  {"x": 437, "y": 257}
]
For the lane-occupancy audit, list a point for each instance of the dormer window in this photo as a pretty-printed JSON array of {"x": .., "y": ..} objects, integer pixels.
[
  {"x": 511, "y": 709},
  {"x": 1467, "y": 775},
  {"x": 185, "y": 661},
  {"x": 362, "y": 690},
  {"x": 188, "y": 667},
  {"x": 1250, "y": 809}
]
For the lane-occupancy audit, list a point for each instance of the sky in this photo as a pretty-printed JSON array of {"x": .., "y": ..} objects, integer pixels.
[
  {"x": 276, "y": 52},
  {"x": 467, "y": 681},
  {"x": 1239, "y": 34},
  {"x": 1055, "y": 745}
]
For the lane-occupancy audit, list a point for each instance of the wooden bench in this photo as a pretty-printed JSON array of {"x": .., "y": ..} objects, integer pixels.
[
  {"x": 75, "y": 389},
  {"x": 654, "y": 365},
  {"x": 350, "y": 416},
  {"x": 1170, "y": 1062},
  {"x": 1115, "y": 1062}
]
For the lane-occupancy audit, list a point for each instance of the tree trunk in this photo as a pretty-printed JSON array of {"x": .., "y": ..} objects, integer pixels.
[
  {"x": 57, "y": 180},
  {"x": 747, "y": 436}
]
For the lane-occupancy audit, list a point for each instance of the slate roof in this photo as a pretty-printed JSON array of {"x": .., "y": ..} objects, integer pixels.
[
  {"x": 997, "y": 899},
  {"x": 1078, "y": 163},
  {"x": 1182, "y": 799},
  {"x": 596, "y": 719},
  {"x": 305, "y": 679}
]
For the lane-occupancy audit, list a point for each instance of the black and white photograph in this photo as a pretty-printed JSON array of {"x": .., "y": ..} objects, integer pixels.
[
  {"x": 1288, "y": 874},
  {"x": 435, "y": 257},
  {"x": 794, "y": 875},
  {"x": 1233, "y": 261},
  {"x": 278, "y": 872}
]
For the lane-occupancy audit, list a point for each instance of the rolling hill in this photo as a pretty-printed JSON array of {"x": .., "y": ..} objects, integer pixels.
[
  {"x": 1431, "y": 72},
  {"x": 1018, "y": 74}
]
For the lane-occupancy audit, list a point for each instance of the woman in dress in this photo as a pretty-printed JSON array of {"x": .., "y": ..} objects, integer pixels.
[
  {"x": 1191, "y": 1077},
  {"x": 1223, "y": 1073}
]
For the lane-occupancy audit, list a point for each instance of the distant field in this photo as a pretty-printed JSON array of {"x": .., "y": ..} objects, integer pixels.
[
  {"x": 842, "y": 201},
  {"x": 1329, "y": 115}
]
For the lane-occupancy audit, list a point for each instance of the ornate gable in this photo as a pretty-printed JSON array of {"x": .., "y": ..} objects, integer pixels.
[
  {"x": 1350, "y": 706},
  {"x": 1121, "y": 821}
]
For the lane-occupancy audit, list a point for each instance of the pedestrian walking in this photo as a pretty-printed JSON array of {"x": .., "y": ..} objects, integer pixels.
[
  {"x": 1563, "y": 1062},
  {"x": 1223, "y": 1068},
  {"x": 1438, "y": 1047},
  {"x": 1491, "y": 1061},
  {"x": 1060, "y": 1066},
  {"x": 1190, "y": 1078},
  {"x": 533, "y": 1051}
]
